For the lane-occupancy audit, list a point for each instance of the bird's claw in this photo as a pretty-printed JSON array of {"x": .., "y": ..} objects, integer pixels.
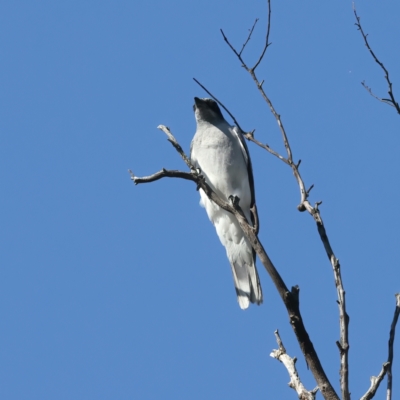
[{"x": 234, "y": 200}]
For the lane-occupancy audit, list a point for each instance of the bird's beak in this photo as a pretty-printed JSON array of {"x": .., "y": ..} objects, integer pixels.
[{"x": 196, "y": 104}]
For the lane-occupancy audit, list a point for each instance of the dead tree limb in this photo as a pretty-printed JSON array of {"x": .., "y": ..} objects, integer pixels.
[
  {"x": 290, "y": 364},
  {"x": 390, "y": 345},
  {"x": 289, "y": 298},
  {"x": 392, "y": 101},
  {"x": 375, "y": 382}
]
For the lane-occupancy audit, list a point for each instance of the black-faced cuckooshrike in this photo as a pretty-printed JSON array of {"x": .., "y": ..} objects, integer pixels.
[{"x": 221, "y": 154}]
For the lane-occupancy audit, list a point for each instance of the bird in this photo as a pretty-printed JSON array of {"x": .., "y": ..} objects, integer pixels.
[{"x": 219, "y": 151}]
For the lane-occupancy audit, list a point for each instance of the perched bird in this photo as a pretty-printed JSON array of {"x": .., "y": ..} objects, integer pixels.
[{"x": 220, "y": 152}]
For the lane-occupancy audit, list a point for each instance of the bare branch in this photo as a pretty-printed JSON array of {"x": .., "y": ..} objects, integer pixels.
[
  {"x": 375, "y": 381},
  {"x": 315, "y": 213},
  {"x": 344, "y": 329},
  {"x": 310, "y": 188},
  {"x": 390, "y": 345},
  {"x": 164, "y": 173},
  {"x": 289, "y": 298},
  {"x": 392, "y": 102},
  {"x": 290, "y": 364},
  {"x": 265, "y": 147},
  {"x": 249, "y": 37},
  {"x": 266, "y": 44},
  {"x": 369, "y": 90},
  {"x": 266, "y": 39},
  {"x": 177, "y": 146}
]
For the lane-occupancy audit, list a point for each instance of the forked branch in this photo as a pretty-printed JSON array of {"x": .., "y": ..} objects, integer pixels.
[
  {"x": 290, "y": 364},
  {"x": 392, "y": 101},
  {"x": 375, "y": 382}
]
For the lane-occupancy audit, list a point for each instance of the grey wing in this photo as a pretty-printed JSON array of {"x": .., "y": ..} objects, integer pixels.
[{"x": 246, "y": 155}]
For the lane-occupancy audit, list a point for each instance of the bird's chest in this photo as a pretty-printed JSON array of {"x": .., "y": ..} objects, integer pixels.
[
  {"x": 216, "y": 150},
  {"x": 220, "y": 158}
]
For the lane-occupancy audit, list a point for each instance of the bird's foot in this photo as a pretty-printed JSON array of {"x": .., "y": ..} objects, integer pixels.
[
  {"x": 200, "y": 178},
  {"x": 234, "y": 200}
]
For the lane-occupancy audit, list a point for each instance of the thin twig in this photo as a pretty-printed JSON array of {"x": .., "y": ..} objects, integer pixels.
[
  {"x": 390, "y": 345},
  {"x": 239, "y": 55},
  {"x": 289, "y": 298},
  {"x": 249, "y": 37},
  {"x": 392, "y": 101},
  {"x": 177, "y": 146},
  {"x": 164, "y": 173},
  {"x": 265, "y": 147},
  {"x": 290, "y": 364},
  {"x": 369, "y": 90},
  {"x": 375, "y": 382},
  {"x": 266, "y": 45}
]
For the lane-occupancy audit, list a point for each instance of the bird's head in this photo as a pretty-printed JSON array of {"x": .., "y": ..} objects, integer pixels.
[{"x": 207, "y": 110}]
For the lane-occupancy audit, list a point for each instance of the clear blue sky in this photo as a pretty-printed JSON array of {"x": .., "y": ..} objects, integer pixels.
[{"x": 111, "y": 291}]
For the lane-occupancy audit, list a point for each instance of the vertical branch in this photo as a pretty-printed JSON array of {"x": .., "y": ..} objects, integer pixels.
[{"x": 390, "y": 345}]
